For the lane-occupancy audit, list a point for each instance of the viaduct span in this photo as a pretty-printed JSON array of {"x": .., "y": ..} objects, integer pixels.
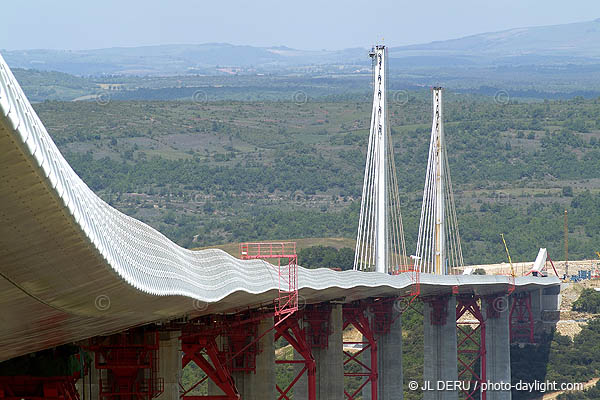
[{"x": 76, "y": 273}]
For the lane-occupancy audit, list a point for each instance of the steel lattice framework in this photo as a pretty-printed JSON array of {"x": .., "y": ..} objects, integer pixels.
[
  {"x": 438, "y": 245},
  {"x": 380, "y": 240}
]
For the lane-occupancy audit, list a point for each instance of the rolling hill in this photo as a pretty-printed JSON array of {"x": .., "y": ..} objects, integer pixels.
[
  {"x": 575, "y": 43},
  {"x": 567, "y": 43}
]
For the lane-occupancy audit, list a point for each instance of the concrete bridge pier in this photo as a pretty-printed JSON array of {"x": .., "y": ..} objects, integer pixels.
[
  {"x": 389, "y": 361},
  {"x": 260, "y": 385},
  {"x": 536, "y": 309},
  {"x": 389, "y": 352},
  {"x": 330, "y": 360},
  {"x": 389, "y": 356},
  {"x": 440, "y": 357},
  {"x": 497, "y": 345},
  {"x": 169, "y": 364},
  {"x": 545, "y": 309},
  {"x": 329, "y": 363}
]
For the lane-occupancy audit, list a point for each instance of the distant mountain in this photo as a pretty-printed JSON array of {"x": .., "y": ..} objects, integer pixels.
[
  {"x": 576, "y": 43},
  {"x": 177, "y": 59},
  {"x": 567, "y": 43}
]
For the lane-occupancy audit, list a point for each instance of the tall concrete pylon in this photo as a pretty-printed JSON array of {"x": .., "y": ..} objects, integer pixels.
[
  {"x": 438, "y": 244},
  {"x": 380, "y": 240}
]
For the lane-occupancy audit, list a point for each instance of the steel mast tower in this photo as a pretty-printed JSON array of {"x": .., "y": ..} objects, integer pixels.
[
  {"x": 438, "y": 245},
  {"x": 440, "y": 211},
  {"x": 380, "y": 240}
]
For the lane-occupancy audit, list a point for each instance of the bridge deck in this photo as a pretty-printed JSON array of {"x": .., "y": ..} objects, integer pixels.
[{"x": 72, "y": 267}]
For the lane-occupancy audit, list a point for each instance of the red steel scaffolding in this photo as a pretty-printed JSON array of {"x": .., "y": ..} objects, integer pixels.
[
  {"x": 295, "y": 334},
  {"x": 220, "y": 346},
  {"x": 521, "y": 319},
  {"x": 470, "y": 346},
  {"x": 354, "y": 315},
  {"x": 49, "y": 374},
  {"x": 38, "y": 388},
  {"x": 128, "y": 365},
  {"x": 287, "y": 301}
]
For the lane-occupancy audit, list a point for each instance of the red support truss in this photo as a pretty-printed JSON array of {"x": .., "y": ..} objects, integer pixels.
[
  {"x": 287, "y": 301},
  {"x": 240, "y": 347},
  {"x": 470, "y": 347},
  {"x": 221, "y": 346},
  {"x": 38, "y": 388},
  {"x": 521, "y": 319},
  {"x": 128, "y": 365},
  {"x": 316, "y": 317},
  {"x": 354, "y": 314},
  {"x": 290, "y": 329},
  {"x": 204, "y": 351}
]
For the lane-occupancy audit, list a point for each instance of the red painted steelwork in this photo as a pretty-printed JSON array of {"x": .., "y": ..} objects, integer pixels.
[
  {"x": 318, "y": 330},
  {"x": 38, "y": 388},
  {"x": 354, "y": 314},
  {"x": 521, "y": 319},
  {"x": 128, "y": 365},
  {"x": 205, "y": 353},
  {"x": 553, "y": 267},
  {"x": 220, "y": 346},
  {"x": 383, "y": 315},
  {"x": 470, "y": 346},
  {"x": 287, "y": 301},
  {"x": 290, "y": 330},
  {"x": 439, "y": 309},
  {"x": 241, "y": 348}
]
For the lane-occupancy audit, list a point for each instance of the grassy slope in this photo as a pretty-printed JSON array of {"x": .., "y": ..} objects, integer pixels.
[{"x": 227, "y": 172}]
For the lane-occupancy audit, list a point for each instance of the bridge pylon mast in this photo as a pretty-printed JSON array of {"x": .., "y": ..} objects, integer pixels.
[
  {"x": 380, "y": 240},
  {"x": 438, "y": 245}
]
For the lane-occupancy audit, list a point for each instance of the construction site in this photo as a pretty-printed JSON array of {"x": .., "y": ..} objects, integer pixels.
[{"x": 129, "y": 310}]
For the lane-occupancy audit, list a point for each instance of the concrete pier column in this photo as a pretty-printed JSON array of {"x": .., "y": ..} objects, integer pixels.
[
  {"x": 389, "y": 354},
  {"x": 497, "y": 345},
  {"x": 169, "y": 364},
  {"x": 440, "y": 358},
  {"x": 261, "y": 384},
  {"x": 329, "y": 363},
  {"x": 536, "y": 304}
]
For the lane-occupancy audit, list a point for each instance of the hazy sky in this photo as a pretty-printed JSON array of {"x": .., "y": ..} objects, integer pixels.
[{"x": 305, "y": 24}]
